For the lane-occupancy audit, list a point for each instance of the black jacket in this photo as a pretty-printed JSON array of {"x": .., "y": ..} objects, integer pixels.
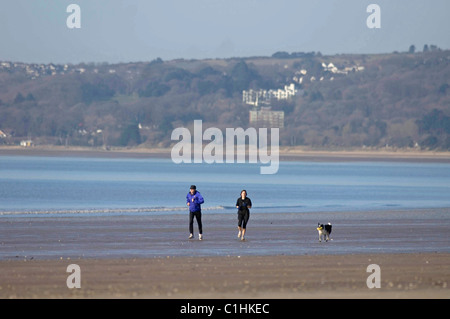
[{"x": 243, "y": 204}]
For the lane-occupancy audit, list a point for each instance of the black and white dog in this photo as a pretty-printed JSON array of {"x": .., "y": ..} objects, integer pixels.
[{"x": 324, "y": 231}]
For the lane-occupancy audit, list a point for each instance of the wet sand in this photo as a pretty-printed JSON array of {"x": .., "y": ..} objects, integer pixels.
[
  {"x": 149, "y": 256},
  {"x": 148, "y": 235}
]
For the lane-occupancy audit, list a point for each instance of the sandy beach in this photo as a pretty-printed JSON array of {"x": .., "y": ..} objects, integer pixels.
[
  {"x": 151, "y": 257},
  {"x": 143, "y": 255},
  {"x": 249, "y": 277}
]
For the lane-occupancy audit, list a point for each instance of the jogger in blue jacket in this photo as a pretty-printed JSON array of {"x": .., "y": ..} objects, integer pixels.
[{"x": 194, "y": 200}]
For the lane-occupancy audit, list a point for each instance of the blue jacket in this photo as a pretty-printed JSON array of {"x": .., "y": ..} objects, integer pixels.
[{"x": 194, "y": 206}]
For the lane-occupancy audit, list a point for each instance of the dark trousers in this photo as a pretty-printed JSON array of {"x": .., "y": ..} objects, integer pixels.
[
  {"x": 198, "y": 216},
  {"x": 243, "y": 217}
]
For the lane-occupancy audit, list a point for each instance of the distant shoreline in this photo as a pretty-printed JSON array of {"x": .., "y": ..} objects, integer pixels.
[{"x": 286, "y": 154}]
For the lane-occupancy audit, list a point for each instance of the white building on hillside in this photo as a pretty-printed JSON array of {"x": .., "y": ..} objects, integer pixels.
[{"x": 257, "y": 97}]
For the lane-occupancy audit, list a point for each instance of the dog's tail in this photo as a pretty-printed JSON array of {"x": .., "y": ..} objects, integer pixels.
[{"x": 328, "y": 228}]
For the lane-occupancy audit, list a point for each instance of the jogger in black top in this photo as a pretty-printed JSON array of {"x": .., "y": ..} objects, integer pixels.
[{"x": 243, "y": 204}]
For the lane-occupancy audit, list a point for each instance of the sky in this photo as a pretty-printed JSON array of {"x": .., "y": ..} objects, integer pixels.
[{"x": 114, "y": 31}]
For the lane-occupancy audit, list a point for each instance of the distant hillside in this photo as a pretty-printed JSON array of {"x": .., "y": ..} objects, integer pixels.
[{"x": 388, "y": 100}]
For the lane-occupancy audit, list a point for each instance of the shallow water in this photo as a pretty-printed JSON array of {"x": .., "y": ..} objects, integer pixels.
[{"x": 61, "y": 186}]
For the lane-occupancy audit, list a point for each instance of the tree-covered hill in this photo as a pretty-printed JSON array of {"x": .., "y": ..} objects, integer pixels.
[{"x": 397, "y": 100}]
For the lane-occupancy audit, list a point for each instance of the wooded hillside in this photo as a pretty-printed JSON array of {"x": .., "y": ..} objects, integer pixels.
[{"x": 395, "y": 100}]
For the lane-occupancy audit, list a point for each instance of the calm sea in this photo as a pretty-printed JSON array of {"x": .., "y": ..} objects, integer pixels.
[{"x": 54, "y": 186}]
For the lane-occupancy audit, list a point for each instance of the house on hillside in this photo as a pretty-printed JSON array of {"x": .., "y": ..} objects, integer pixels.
[
  {"x": 26, "y": 143},
  {"x": 258, "y": 97}
]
